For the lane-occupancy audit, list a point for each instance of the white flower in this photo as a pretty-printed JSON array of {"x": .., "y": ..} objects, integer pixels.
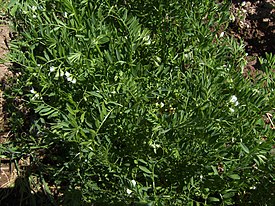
[
  {"x": 32, "y": 91},
  {"x": 129, "y": 191},
  {"x": 36, "y": 94},
  {"x": 253, "y": 188},
  {"x": 67, "y": 74},
  {"x": 34, "y": 8},
  {"x": 154, "y": 145},
  {"x": 65, "y": 14},
  {"x": 73, "y": 81},
  {"x": 231, "y": 110},
  {"x": 34, "y": 16},
  {"x": 70, "y": 79},
  {"x": 134, "y": 183},
  {"x": 221, "y": 34},
  {"x": 61, "y": 73},
  {"x": 234, "y": 100},
  {"x": 161, "y": 104},
  {"x": 52, "y": 69}
]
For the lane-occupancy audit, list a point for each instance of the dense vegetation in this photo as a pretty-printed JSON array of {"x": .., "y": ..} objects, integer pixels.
[{"x": 139, "y": 102}]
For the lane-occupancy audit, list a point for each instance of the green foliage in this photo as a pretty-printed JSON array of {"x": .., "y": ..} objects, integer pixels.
[{"x": 138, "y": 102}]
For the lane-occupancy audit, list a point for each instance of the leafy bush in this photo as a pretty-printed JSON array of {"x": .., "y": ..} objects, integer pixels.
[{"x": 139, "y": 102}]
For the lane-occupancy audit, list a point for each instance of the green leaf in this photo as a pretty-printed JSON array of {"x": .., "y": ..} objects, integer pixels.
[
  {"x": 82, "y": 117},
  {"x": 47, "y": 113},
  {"x": 228, "y": 195},
  {"x": 102, "y": 39},
  {"x": 141, "y": 160},
  {"x": 44, "y": 110},
  {"x": 70, "y": 109},
  {"x": 214, "y": 170},
  {"x": 144, "y": 169},
  {"x": 234, "y": 177},
  {"x": 244, "y": 147},
  {"x": 14, "y": 9},
  {"x": 213, "y": 199},
  {"x": 74, "y": 57},
  {"x": 95, "y": 94}
]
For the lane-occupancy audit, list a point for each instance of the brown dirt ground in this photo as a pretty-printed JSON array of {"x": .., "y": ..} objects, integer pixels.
[
  {"x": 5, "y": 167},
  {"x": 253, "y": 22},
  {"x": 4, "y": 38}
]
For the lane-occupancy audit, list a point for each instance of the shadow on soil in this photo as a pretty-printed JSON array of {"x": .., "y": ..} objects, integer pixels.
[{"x": 23, "y": 195}]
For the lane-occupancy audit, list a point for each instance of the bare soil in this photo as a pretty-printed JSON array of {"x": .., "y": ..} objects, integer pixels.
[
  {"x": 4, "y": 39},
  {"x": 6, "y": 168},
  {"x": 253, "y": 23}
]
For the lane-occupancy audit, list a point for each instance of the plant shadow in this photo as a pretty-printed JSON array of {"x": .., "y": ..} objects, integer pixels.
[{"x": 22, "y": 194}]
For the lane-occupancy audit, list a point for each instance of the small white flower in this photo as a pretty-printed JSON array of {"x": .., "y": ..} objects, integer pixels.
[
  {"x": 161, "y": 104},
  {"x": 129, "y": 191},
  {"x": 61, "y": 73},
  {"x": 253, "y": 188},
  {"x": 70, "y": 79},
  {"x": 65, "y": 14},
  {"x": 231, "y": 110},
  {"x": 73, "y": 81},
  {"x": 34, "y": 16},
  {"x": 34, "y": 8},
  {"x": 52, "y": 69},
  {"x": 38, "y": 65},
  {"x": 32, "y": 91},
  {"x": 234, "y": 100},
  {"x": 36, "y": 96},
  {"x": 221, "y": 34},
  {"x": 243, "y": 3},
  {"x": 134, "y": 183},
  {"x": 67, "y": 74}
]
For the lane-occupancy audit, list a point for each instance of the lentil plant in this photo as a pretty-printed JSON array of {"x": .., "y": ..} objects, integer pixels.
[{"x": 138, "y": 102}]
